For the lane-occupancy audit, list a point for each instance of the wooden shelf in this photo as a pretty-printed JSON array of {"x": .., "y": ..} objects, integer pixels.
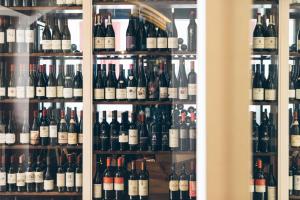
[
  {"x": 32, "y": 101},
  {"x": 32, "y": 147},
  {"x": 145, "y": 102},
  {"x": 78, "y": 54},
  {"x": 295, "y": 101},
  {"x": 262, "y": 154},
  {"x": 264, "y": 53},
  {"x": 144, "y": 152},
  {"x": 45, "y": 8},
  {"x": 294, "y": 54},
  {"x": 294, "y": 197},
  {"x": 32, "y": 194},
  {"x": 126, "y": 54},
  {"x": 133, "y": 2},
  {"x": 265, "y": 2},
  {"x": 263, "y": 103}
]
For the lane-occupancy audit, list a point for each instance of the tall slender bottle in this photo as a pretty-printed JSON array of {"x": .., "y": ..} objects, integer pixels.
[
  {"x": 260, "y": 181},
  {"x": 51, "y": 86},
  {"x": 172, "y": 34},
  {"x": 192, "y": 182},
  {"x": 60, "y": 175},
  {"x": 66, "y": 37},
  {"x": 70, "y": 175},
  {"x": 173, "y": 184},
  {"x": 143, "y": 134},
  {"x": 11, "y": 86},
  {"x": 183, "y": 82},
  {"x": 141, "y": 92},
  {"x": 183, "y": 184},
  {"x": 62, "y": 129},
  {"x": 109, "y": 40},
  {"x": 29, "y": 174},
  {"x": 56, "y": 37},
  {"x": 114, "y": 132},
  {"x": 108, "y": 181},
  {"x": 12, "y": 176},
  {"x": 35, "y": 130},
  {"x": 192, "y": 32},
  {"x": 121, "y": 86},
  {"x": 110, "y": 89},
  {"x": 131, "y": 35},
  {"x": 49, "y": 179},
  {"x": 97, "y": 182},
  {"x": 3, "y": 175},
  {"x": 258, "y": 35},
  {"x": 78, "y": 83},
  {"x": 131, "y": 85},
  {"x": 10, "y": 135},
  {"x": 72, "y": 131},
  {"x": 44, "y": 128},
  {"x": 119, "y": 181},
  {"x": 46, "y": 38},
  {"x": 11, "y": 36},
  {"x": 270, "y": 41},
  {"x": 38, "y": 176},
  {"x": 133, "y": 140},
  {"x": 144, "y": 182},
  {"x": 133, "y": 192},
  {"x": 123, "y": 134},
  {"x": 192, "y": 83},
  {"x": 21, "y": 176}
]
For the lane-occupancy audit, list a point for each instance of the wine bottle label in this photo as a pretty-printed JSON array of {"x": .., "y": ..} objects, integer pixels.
[
  {"x": 133, "y": 188},
  {"x": 270, "y": 42},
  {"x": 99, "y": 42},
  {"x": 53, "y": 131},
  {"x": 29, "y": 36},
  {"x": 173, "y": 185},
  {"x": 2, "y": 178},
  {"x": 130, "y": 42},
  {"x": 183, "y": 185},
  {"x": 192, "y": 133},
  {"x": 141, "y": 92},
  {"x": 11, "y": 35},
  {"x": 108, "y": 183},
  {"x": 72, "y": 138},
  {"x": 48, "y": 185},
  {"x": 40, "y": 91},
  {"x": 2, "y": 128},
  {"x": 258, "y": 42},
  {"x": 80, "y": 138},
  {"x": 20, "y": 36},
  {"x": 260, "y": 185},
  {"x": 78, "y": 179},
  {"x": 296, "y": 182},
  {"x": 2, "y": 91},
  {"x": 10, "y": 138},
  {"x": 21, "y": 177},
  {"x": 11, "y": 178},
  {"x": 298, "y": 45},
  {"x": 131, "y": 92},
  {"x": 143, "y": 188},
  {"x": 297, "y": 93},
  {"x": 119, "y": 183},
  {"x": 272, "y": 193},
  {"x": 78, "y": 2},
  {"x": 1, "y": 37},
  {"x": 251, "y": 186},
  {"x": 98, "y": 93},
  {"x": 295, "y": 140},
  {"x": 162, "y": 43},
  {"x": 68, "y": 92},
  {"x": 123, "y": 138},
  {"x": 121, "y": 93},
  {"x": 46, "y": 44},
  {"x": 151, "y": 42},
  {"x": 11, "y": 92},
  {"x": 20, "y": 92},
  {"x": 59, "y": 91},
  {"x": 183, "y": 93},
  {"x": 24, "y": 138},
  {"x": 34, "y": 137},
  {"x": 258, "y": 94},
  {"x": 192, "y": 89},
  {"x": 2, "y": 138},
  {"x": 270, "y": 94},
  {"x": 51, "y": 91},
  {"x": 109, "y": 42},
  {"x": 29, "y": 177},
  {"x": 173, "y": 43},
  {"x": 173, "y": 93},
  {"x": 174, "y": 138},
  {"x": 163, "y": 92},
  {"x": 77, "y": 92},
  {"x": 56, "y": 44},
  {"x": 69, "y": 179},
  {"x": 110, "y": 93},
  {"x": 70, "y": 2},
  {"x": 291, "y": 186},
  {"x": 38, "y": 177},
  {"x": 44, "y": 131},
  {"x": 192, "y": 188},
  {"x": 292, "y": 93},
  {"x": 60, "y": 2},
  {"x": 29, "y": 91},
  {"x": 60, "y": 180},
  {"x": 183, "y": 133},
  {"x": 62, "y": 137},
  {"x": 66, "y": 44},
  {"x": 97, "y": 192},
  {"x": 133, "y": 137}
]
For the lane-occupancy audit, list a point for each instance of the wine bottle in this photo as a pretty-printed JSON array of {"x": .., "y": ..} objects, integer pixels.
[
  {"x": 133, "y": 140},
  {"x": 192, "y": 182},
  {"x": 143, "y": 182},
  {"x": 20, "y": 37},
  {"x": 270, "y": 89},
  {"x": 192, "y": 132},
  {"x": 11, "y": 36},
  {"x": 3, "y": 175},
  {"x": 165, "y": 126},
  {"x": 60, "y": 82},
  {"x": 21, "y": 176},
  {"x": 70, "y": 175},
  {"x": 272, "y": 133},
  {"x": 108, "y": 181},
  {"x": 260, "y": 182},
  {"x": 38, "y": 176},
  {"x": 20, "y": 86},
  {"x": 143, "y": 133},
  {"x": 12, "y": 176},
  {"x": 40, "y": 89},
  {"x": 110, "y": 89},
  {"x": 141, "y": 90},
  {"x": 72, "y": 132},
  {"x": 3, "y": 83},
  {"x": 183, "y": 184},
  {"x": 109, "y": 40},
  {"x": 53, "y": 130},
  {"x": 49, "y": 180},
  {"x": 183, "y": 82},
  {"x": 163, "y": 84},
  {"x": 192, "y": 32},
  {"x": 104, "y": 129},
  {"x": 121, "y": 86},
  {"x": 56, "y": 37},
  {"x": 25, "y": 135},
  {"x": 30, "y": 83},
  {"x": 80, "y": 133},
  {"x": 2, "y": 128},
  {"x": 66, "y": 38},
  {"x": 29, "y": 174},
  {"x": 34, "y": 131},
  {"x": 155, "y": 131},
  {"x": 44, "y": 128},
  {"x": 255, "y": 134},
  {"x": 29, "y": 37},
  {"x": 192, "y": 83},
  {"x": 131, "y": 85},
  {"x": 114, "y": 132},
  {"x": 97, "y": 182},
  {"x": 78, "y": 174},
  {"x": 68, "y": 83},
  {"x": 272, "y": 185},
  {"x": 162, "y": 40},
  {"x": 258, "y": 85},
  {"x": 60, "y": 176},
  {"x": 51, "y": 86},
  {"x": 46, "y": 38},
  {"x": 173, "y": 184},
  {"x": 62, "y": 130},
  {"x": 131, "y": 35},
  {"x": 292, "y": 83},
  {"x": 151, "y": 38},
  {"x": 172, "y": 34},
  {"x": 173, "y": 85},
  {"x": 2, "y": 36},
  {"x": 183, "y": 133},
  {"x": 270, "y": 42},
  {"x": 10, "y": 135},
  {"x": 77, "y": 88},
  {"x": 11, "y": 86},
  {"x": 133, "y": 183},
  {"x": 119, "y": 180},
  {"x": 295, "y": 131},
  {"x": 141, "y": 39},
  {"x": 97, "y": 132},
  {"x": 99, "y": 85},
  {"x": 264, "y": 141},
  {"x": 99, "y": 34},
  {"x": 123, "y": 134},
  {"x": 258, "y": 35}
]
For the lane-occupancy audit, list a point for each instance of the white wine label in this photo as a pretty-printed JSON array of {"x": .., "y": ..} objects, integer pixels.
[
  {"x": 260, "y": 185},
  {"x": 53, "y": 131},
  {"x": 133, "y": 136},
  {"x": 109, "y": 42},
  {"x": 69, "y": 179},
  {"x": 70, "y": 2},
  {"x": 48, "y": 185},
  {"x": 80, "y": 138},
  {"x": 59, "y": 91},
  {"x": 20, "y": 36},
  {"x": 295, "y": 140},
  {"x": 173, "y": 93},
  {"x": 78, "y": 179},
  {"x": 2, "y": 178},
  {"x": 270, "y": 42},
  {"x": 1, "y": 37},
  {"x": 34, "y": 135},
  {"x": 60, "y": 2},
  {"x": 51, "y": 91},
  {"x": 183, "y": 185},
  {"x": 123, "y": 138},
  {"x": 29, "y": 91},
  {"x": 183, "y": 93},
  {"x": 78, "y": 2},
  {"x": 99, "y": 94},
  {"x": 21, "y": 177},
  {"x": 258, "y": 42},
  {"x": 110, "y": 93},
  {"x": 292, "y": 93},
  {"x": 60, "y": 180},
  {"x": 270, "y": 94},
  {"x": 11, "y": 92},
  {"x": 291, "y": 186},
  {"x": 173, "y": 43},
  {"x": 251, "y": 187},
  {"x": 38, "y": 177},
  {"x": 121, "y": 93},
  {"x": 29, "y": 177},
  {"x": 183, "y": 133},
  {"x": 66, "y": 44},
  {"x": 151, "y": 42},
  {"x": 133, "y": 187},
  {"x": 298, "y": 45},
  {"x": 20, "y": 92},
  {"x": 72, "y": 138},
  {"x": 2, "y": 128},
  {"x": 2, "y": 91},
  {"x": 162, "y": 43},
  {"x": 131, "y": 92},
  {"x": 68, "y": 92},
  {"x": 46, "y": 44},
  {"x": 99, "y": 42},
  {"x": 2, "y": 138},
  {"x": 298, "y": 94},
  {"x": 11, "y": 178},
  {"x": 40, "y": 91},
  {"x": 56, "y": 44},
  {"x": 77, "y": 92},
  {"x": 97, "y": 192},
  {"x": 143, "y": 187},
  {"x": 141, "y": 93},
  {"x": 174, "y": 185},
  {"x": 24, "y": 138},
  {"x": 44, "y": 131},
  {"x": 192, "y": 89},
  {"x": 62, "y": 137},
  {"x": 29, "y": 36},
  {"x": 272, "y": 193},
  {"x": 11, "y": 35},
  {"x": 258, "y": 94},
  {"x": 192, "y": 133},
  {"x": 119, "y": 183},
  {"x": 173, "y": 138},
  {"x": 163, "y": 92},
  {"x": 296, "y": 182},
  {"x": 10, "y": 138}
]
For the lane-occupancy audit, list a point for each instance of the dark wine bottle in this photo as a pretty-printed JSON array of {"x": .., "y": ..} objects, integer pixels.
[
  {"x": 110, "y": 89},
  {"x": 49, "y": 179},
  {"x": 99, "y": 85},
  {"x": 119, "y": 180},
  {"x": 68, "y": 83},
  {"x": 131, "y": 85},
  {"x": 292, "y": 83},
  {"x": 121, "y": 86},
  {"x": 30, "y": 185},
  {"x": 35, "y": 130},
  {"x": 62, "y": 130},
  {"x": 29, "y": 37},
  {"x": 141, "y": 92},
  {"x": 70, "y": 175},
  {"x": 133, "y": 192},
  {"x": 295, "y": 131},
  {"x": 272, "y": 184},
  {"x": 60, "y": 82},
  {"x": 66, "y": 38},
  {"x": 183, "y": 82},
  {"x": 99, "y": 35},
  {"x": 143, "y": 182},
  {"x": 3, "y": 83},
  {"x": 165, "y": 126},
  {"x": 25, "y": 135},
  {"x": 114, "y": 132},
  {"x": 72, "y": 131},
  {"x": 11, "y": 86},
  {"x": 46, "y": 38},
  {"x": 21, "y": 176},
  {"x": 153, "y": 89},
  {"x": 40, "y": 89},
  {"x": 123, "y": 134},
  {"x": 162, "y": 40},
  {"x": 131, "y": 35},
  {"x": 97, "y": 182},
  {"x": 10, "y": 135},
  {"x": 173, "y": 184},
  {"x": 151, "y": 38},
  {"x": 255, "y": 134},
  {"x": 11, "y": 36},
  {"x": 52, "y": 130},
  {"x": 12, "y": 176},
  {"x": 80, "y": 133},
  {"x": 108, "y": 181},
  {"x": 264, "y": 141},
  {"x": 104, "y": 133},
  {"x": 183, "y": 184},
  {"x": 192, "y": 32},
  {"x": 133, "y": 140},
  {"x": 258, "y": 86},
  {"x": 163, "y": 84},
  {"x": 77, "y": 84},
  {"x": 2, "y": 35},
  {"x": 60, "y": 176},
  {"x": 78, "y": 174},
  {"x": 38, "y": 176},
  {"x": 51, "y": 86},
  {"x": 173, "y": 85},
  {"x": 270, "y": 87},
  {"x": 183, "y": 133},
  {"x": 96, "y": 132},
  {"x": 3, "y": 175},
  {"x": 141, "y": 37},
  {"x": 270, "y": 42},
  {"x": 44, "y": 128},
  {"x": 172, "y": 34},
  {"x": 109, "y": 40},
  {"x": 143, "y": 133},
  {"x": 192, "y": 83},
  {"x": 30, "y": 83},
  {"x": 56, "y": 37},
  {"x": 155, "y": 130},
  {"x": 260, "y": 182},
  {"x": 258, "y": 35},
  {"x": 192, "y": 132}
]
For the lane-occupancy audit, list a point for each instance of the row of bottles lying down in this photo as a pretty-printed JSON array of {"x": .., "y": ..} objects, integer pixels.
[
  {"x": 53, "y": 128},
  {"x": 26, "y": 3},
  {"x": 32, "y": 82},
  {"x": 121, "y": 183},
  {"x": 147, "y": 81},
  {"x": 150, "y": 128},
  {"x": 143, "y": 35},
  {"x": 43, "y": 172}
]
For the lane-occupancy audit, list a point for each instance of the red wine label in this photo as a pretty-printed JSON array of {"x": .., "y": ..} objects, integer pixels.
[
  {"x": 29, "y": 177},
  {"x": 40, "y": 91},
  {"x": 291, "y": 186},
  {"x": 109, "y": 42},
  {"x": 192, "y": 89},
  {"x": 1, "y": 37},
  {"x": 173, "y": 43},
  {"x": 2, "y": 138},
  {"x": 10, "y": 138},
  {"x": 99, "y": 42},
  {"x": 60, "y": 180},
  {"x": 72, "y": 138},
  {"x": 192, "y": 188},
  {"x": 270, "y": 94},
  {"x": 78, "y": 179},
  {"x": 77, "y": 92},
  {"x": 20, "y": 36},
  {"x": 80, "y": 138},
  {"x": 66, "y": 44},
  {"x": 119, "y": 183},
  {"x": 110, "y": 93},
  {"x": 97, "y": 193},
  {"x": 260, "y": 185},
  {"x": 162, "y": 43},
  {"x": 2, "y": 178},
  {"x": 53, "y": 131},
  {"x": 163, "y": 92},
  {"x": 143, "y": 187},
  {"x": 258, "y": 94},
  {"x": 11, "y": 178},
  {"x": 151, "y": 42},
  {"x": 51, "y": 91},
  {"x": 24, "y": 138},
  {"x": 270, "y": 42},
  {"x": 2, "y": 91},
  {"x": 292, "y": 93},
  {"x": 20, "y": 92},
  {"x": 62, "y": 137},
  {"x": 133, "y": 136},
  {"x": 173, "y": 185},
  {"x": 29, "y": 91},
  {"x": 68, "y": 92},
  {"x": 46, "y": 44},
  {"x": 121, "y": 93},
  {"x": 131, "y": 92},
  {"x": 44, "y": 131},
  {"x": 173, "y": 93},
  {"x": 29, "y": 36},
  {"x": 21, "y": 177},
  {"x": 258, "y": 42},
  {"x": 69, "y": 179},
  {"x": 98, "y": 94},
  {"x": 272, "y": 191},
  {"x": 173, "y": 138},
  {"x": 56, "y": 44},
  {"x": 141, "y": 92},
  {"x": 108, "y": 183},
  {"x": 48, "y": 185},
  {"x": 11, "y": 92},
  {"x": 296, "y": 182},
  {"x": 123, "y": 138},
  {"x": 59, "y": 91},
  {"x": 183, "y": 185},
  {"x": 183, "y": 93},
  {"x": 11, "y": 35},
  {"x": 295, "y": 140},
  {"x": 38, "y": 177}
]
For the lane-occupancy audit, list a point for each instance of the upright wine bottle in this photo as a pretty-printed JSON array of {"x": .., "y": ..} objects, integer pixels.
[
  {"x": 192, "y": 83},
  {"x": 133, "y": 182},
  {"x": 66, "y": 37},
  {"x": 25, "y": 135},
  {"x": 97, "y": 182},
  {"x": 10, "y": 135},
  {"x": 272, "y": 184},
  {"x": 162, "y": 40},
  {"x": 35, "y": 130},
  {"x": 21, "y": 176},
  {"x": 62, "y": 129},
  {"x": 183, "y": 82},
  {"x": 119, "y": 180},
  {"x": 46, "y": 38},
  {"x": 258, "y": 35},
  {"x": 141, "y": 84},
  {"x": 270, "y": 41},
  {"x": 51, "y": 86},
  {"x": 77, "y": 83},
  {"x": 163, "y": 84},
  {"x": 60, "y": 175},
  {"x": 72, "y": 131},
  {"x": 49, "y": 179},
  {"x": 11, "y": 86},
  {"x": 165, "y": 126},
  {"x": 104, "y": 133},
  {"x": 192, "y": 182},
  {"x": 3, "y": 179},
  {"x": 121, "y": 85},
  {"x": 141, "y": 38},
  {"x": 270, "y": 89},
  {"x": 40, "y": 89},
  {"x": 183, "y": 133},
  {"x": 109, "y": 40},
  {"x": 29, "y": 174},
  {"x": 192, "y": 132},
  {"x": 99, "y": 86},
  {"x": 131, "y": 35},
  {"x": 183, "y": 184},
  {"x": 99, "y": 34},
  {"x": 143, "y": 134},
  {"x": 68, "y": 83},
  {"x": 255, "y": 134},
  {"x": 114, "y": 132},
  {"x": 30, "y": 83},
  {"x": 20, "y": 88},
  {"x": 155, "y": 131},
  {"x": 38, "y": 176},
  {"x": 131, "y": 85},
  {"x": 172, "y": 34},
  {"x": 56, "y": 37},
  {"x": 80, "y": 133},
  {"x": 173, "y": 85},
  {"x": 297, "y": 179},
  {"x": 173, "y": 184},
  {"x": 108, "y": 181},
  {"x": 151, "y": 38},
  {"x": 60, "y": 82},
  {"x": 78, "y": 174},
  {"x": 12, "y": 176},
  {"x": 143, "y": 182},
  {"x": 258, "y": 86},
  {"x": 44, "y": 128},
  {"x": 29, "y": 37},
  {"x": 52, "y": 130},
  {"x": 20, "y": 37},
  {"x": 295, "y": 131},
  {"x": 123, "y": 134},
  {"x": 3, "y": 83},
  {"x": 260, "y": 181},
  {"x": 2, "y": 36},
  {"x": 264, "y": 141},
  {"x": 110, "y": 89},
  {"x": 70, "y": 175},
  {"x": 133, "y": 140},
  {"x": 11, "y": 36},
  {"x": 192, "y": 32}
]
